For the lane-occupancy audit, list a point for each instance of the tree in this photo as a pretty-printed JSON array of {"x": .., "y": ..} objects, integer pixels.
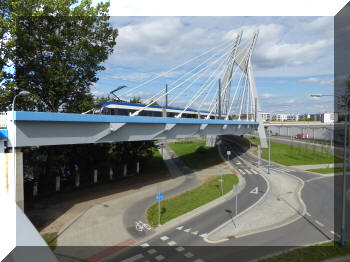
[
  {"x": 57, "y": 48},
  {"x": 136, "y": 100}
]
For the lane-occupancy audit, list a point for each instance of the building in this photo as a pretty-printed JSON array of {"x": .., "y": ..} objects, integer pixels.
[
  {"x": 279, "y": 117},
  {"x": 329, "y": 117},
  {"x": 292, "y": 117},
  {"x": 266, "y": 116}
]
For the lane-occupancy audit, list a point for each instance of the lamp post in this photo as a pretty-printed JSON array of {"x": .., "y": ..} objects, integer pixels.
[
  {"x": 342, "y": 233},
  {"x": 22, "y": 93}
]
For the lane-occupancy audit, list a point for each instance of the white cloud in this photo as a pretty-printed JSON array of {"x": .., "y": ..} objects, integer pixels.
[
  {"x": 98, "y": 93},
  {"x": 311, "y": 80},
  {"x": 268, "y": 96}
]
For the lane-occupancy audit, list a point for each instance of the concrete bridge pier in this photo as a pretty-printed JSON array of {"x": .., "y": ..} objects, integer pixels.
[{"x": 8, "y": 184}]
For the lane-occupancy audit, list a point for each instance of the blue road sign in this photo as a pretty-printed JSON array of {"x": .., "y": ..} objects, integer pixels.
[{"x": 159, "y": 197}]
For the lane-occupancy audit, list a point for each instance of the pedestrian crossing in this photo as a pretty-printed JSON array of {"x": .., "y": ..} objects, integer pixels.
[
  {"x": 192, "y": 231},
  {"x": 246, "y": 171}
]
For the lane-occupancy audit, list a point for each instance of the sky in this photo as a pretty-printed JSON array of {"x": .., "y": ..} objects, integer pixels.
[{"x": 292, "y": 59}]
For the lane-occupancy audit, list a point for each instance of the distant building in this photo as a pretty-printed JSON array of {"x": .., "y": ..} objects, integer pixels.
[
  {"x": 292, "y": 117},
  {"x": 266, "y": 116},
  {"x": 280, "y": 117},
  {"x": 329, "y": 117},
  {"x": 316, "y": 117}
]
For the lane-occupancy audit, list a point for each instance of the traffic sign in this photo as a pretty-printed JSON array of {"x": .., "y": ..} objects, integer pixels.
[
  {"x": 159, "y": 197},
  {"x": 235, "y": 188},
  {"x": 228, "y": 153}
]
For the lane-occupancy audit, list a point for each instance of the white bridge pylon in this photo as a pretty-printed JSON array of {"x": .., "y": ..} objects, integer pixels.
[{"x": 235, "y": 98}]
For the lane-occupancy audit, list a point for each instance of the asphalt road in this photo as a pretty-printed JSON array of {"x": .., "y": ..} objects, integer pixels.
[{"x": 186, "y": 241}]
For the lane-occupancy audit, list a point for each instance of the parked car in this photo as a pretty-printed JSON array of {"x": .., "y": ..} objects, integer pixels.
[{"x": 302, "y": 136}]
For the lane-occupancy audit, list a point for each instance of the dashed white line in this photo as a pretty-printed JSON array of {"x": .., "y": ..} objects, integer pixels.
[
  {"x": 189, "y": 255},
  {"x": 319, "y": 223},
  {"x": 204, "y": 235},
  {"x": 195, "y": 233},
  {"x": 164, "y": 238},
  {"x": 241, "y": 171},
  {"x": 187, "y": 230},
  {"x": 248, "y": 172},
  {"x": 159, "y": 258},
  {"x": 145, "y": 245},
  {"x": 307, "y": 213},
  {"x": 256, "y": 173},
  {"x": 238, "y": 163},
  {"x": 333, "y": 233},
  {"x": 133, "y": 259},
  {"x": 172, "y": 243},
  {"x": 180, "y": 249},
  {"x": 152, "y": 251},
  {"x": 180, "y": 228}
]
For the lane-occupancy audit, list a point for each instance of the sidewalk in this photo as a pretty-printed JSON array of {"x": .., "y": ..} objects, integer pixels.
[
  {"x": 280, "y": 206},
  {"x": 306, "y": 167}
]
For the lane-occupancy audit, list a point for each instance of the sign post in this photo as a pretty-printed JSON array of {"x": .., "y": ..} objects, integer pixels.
[
  {"x": 228, "y": 155},
  {"x": 221, "y": 180},
  {"x": 159, "y": 198}
]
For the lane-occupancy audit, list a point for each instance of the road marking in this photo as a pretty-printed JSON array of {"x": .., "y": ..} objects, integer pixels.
[
  {"x": 145, "y": 245},
  {"x": 195, "y": 233},
  {"x": 238, "y": 163},
  {"x": 335, "y": 233},
  {"x": 241, "y": 171},
  {"x": 198, "y": 260},
  {"x": 204, "y": 235},
  {"x": 152, "y": 251},
  {"x": 187, "y": 230},
  {"x": 164, "y": 238},
  {"x": 189, "y": 255},
  {"x": 248, "y": 172},
  {"x": 133, "y": 259},
  {"x": 307, "y": 213},
  {"x": 180, "y": 249},
  {"x": 254, "y": 191},
  {"x": 256, "y": 173},
  {"x": 159, "y": 258},
  {"x": 172, "y": 243},
  {"x": 319, "y": 223},
  {"x": 180, "y": 228},
  {"x": 315, "y": 178}
]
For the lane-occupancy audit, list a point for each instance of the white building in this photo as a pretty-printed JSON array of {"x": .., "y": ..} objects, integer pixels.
[
  {"x": 329, "y": 117},
  {"x": 279, "y": 117},
  {"x": 292, "y": 117},
  {"x": 266, "y": 116}
]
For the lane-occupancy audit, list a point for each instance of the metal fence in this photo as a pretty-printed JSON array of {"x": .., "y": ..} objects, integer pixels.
[{"x": 3, "y": 120}]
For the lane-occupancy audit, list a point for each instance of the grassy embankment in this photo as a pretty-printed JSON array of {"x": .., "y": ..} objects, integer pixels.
[
  {"x": 195, "y": 154},
  {"x": 190, "y": 200},
  {"x": 316, "y": 253},
  {"x": 327, "y": 170},
  {"x": 293, "y": 155}
]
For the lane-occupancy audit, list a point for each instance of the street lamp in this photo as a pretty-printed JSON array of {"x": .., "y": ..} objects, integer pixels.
[{"x": 22, "y": 93}]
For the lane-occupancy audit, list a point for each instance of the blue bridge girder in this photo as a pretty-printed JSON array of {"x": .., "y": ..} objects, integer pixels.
[{"x": 40, "y": 129}]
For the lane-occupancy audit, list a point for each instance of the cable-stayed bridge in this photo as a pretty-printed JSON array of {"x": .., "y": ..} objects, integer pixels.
[{"x": 216, "y": 95}]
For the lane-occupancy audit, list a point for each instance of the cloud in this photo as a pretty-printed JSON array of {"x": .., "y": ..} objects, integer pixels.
[
  {"x": 268, "y": 96},
  {"x": 98, "y": 93},
  {"x": 311, "y": 80}
]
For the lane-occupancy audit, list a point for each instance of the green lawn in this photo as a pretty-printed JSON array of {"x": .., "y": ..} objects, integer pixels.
[
  {"x": 196, "y": 155},
  {"x": 327, "y": 170},
  {"x": 293, "y": 155},
  {"x": 156, "y": 163},
  {"x": 189, "y": 200},
  {"x": 315, "y": 253}
]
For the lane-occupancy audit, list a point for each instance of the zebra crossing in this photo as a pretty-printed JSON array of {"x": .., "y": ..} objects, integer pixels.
[
  {"x": 192, "y": 231},
  {"x": 247, "y": 171}
]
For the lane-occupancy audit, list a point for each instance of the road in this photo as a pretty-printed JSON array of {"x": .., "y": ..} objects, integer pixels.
[{"x": 186, "y": 241}]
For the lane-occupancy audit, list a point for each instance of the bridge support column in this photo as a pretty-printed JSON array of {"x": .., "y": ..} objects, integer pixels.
[
  {"x": 95, "y": 176},
  {"x": 111, "y": 174},
  {"x": 138, "y": 167},
  {"x": 77, "y": 179},
  {"x": 35, "y": 189},
  {"x": 125, "y": 170},
  {"x": 58, "y": 183}
]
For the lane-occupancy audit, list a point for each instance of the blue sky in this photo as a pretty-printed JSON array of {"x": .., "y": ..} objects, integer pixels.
[{"x": 293, "y": 57}]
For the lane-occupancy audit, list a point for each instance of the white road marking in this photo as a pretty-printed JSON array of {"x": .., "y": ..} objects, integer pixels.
[
  {"x": 159, "y": 258},
  {"x": 164, "y": 238},
  {"x": 145, "y": 245},
  {"x": 172, "y": 243},
  {"x": 254, "y": 191},
  {"x": 307, "y": 213},
  {"x": 204, "y": 235},
  {"x": 315, "y": 178},
  {"x": 335, "y": 233},
  {"x": 319, "y": 223},
  {"x": 180, "y": 249},
  {"x": 180, "y": 228},
  {"x": 256, "y": 173},
  {"x": 195, "y": 233},
  {"x": 187, "y": 230},
  {"x": 248, "y": 172},
  {"x": 152, "y": 251},
  {"x": 241, "y": 171},
  {"x": 189, "y": 255},
  {"x": 238, "y": 163},
  {"x": 133, "y": 259}
]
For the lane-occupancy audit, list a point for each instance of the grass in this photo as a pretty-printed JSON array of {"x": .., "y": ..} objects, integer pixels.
[
  {"x": 314, "y": 253},
  {"x": 295, "y": 155},
  {"x": 327, "y": 170},
  {"x": 156, "y": 163},
  {"x": 189, "y": 200},
  {"x": 50, "y": 239},
  {"x": 195, "y": 154}
]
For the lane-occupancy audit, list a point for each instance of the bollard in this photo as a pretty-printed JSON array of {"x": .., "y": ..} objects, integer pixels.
[
  {"x": 138, "y": 168},
  {"x": 95, "y": 176},
  {"x": 58, "y": 183},
  {"x": 111, "y": 174},
  {"x": 125, "y": 170}
]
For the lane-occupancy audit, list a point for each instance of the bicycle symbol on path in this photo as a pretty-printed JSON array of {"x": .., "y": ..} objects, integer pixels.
[{"x": 140, "y": 226}]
